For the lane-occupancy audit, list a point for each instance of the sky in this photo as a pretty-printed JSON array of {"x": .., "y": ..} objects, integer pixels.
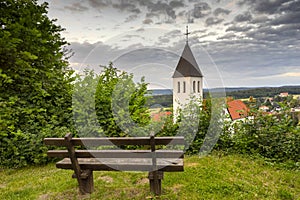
[{"x": 237, "y": 43}]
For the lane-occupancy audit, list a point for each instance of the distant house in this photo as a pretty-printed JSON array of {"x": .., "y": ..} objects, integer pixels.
[
  {"x": 237, "y": 110},
  {"x": 284, "y": 94},
  {"x": 158, "y": 116}
]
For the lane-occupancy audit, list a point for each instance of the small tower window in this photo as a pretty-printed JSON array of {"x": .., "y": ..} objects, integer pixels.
[
  {"x": 194, "y": 86},
  {"x": 178, "y": 87},
  {"x": 199, "y": 87},
  {"x": 184, "y": 86}
]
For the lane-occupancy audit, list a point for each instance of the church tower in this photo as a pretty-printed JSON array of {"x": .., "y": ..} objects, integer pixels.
[{"x": 187, "y": 79}]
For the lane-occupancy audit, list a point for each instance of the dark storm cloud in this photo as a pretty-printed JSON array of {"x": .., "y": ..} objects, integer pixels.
[
  {"x": 213, "y": 21},
  {"x": 243, "y": 17},
  {"x": 220, "y": 11},
  {"x": 76, "y": 7}
]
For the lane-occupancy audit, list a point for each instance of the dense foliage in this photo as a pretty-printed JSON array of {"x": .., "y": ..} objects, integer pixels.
[
  {"x": 35, "y": 82},
  {"x": 274, "y": 137},
  {"x": 109, "y": 104}
]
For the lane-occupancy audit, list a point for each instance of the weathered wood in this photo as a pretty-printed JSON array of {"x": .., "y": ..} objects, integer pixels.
[
  {"x": 154, "y": 183},
  {"x": 115, "y": 141},
  {"x": 74, "y": 163},
  {"x": 117, "y": 153},
  {"x": 138, "y": 164},
  {"x": 84, "y": 162},
  {"x": 155, "y": 186}
]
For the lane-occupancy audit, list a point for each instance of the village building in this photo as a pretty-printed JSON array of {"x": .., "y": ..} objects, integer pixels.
[
  {"x": 187, "y": 79},
  {"x": 237, "y": 110}
]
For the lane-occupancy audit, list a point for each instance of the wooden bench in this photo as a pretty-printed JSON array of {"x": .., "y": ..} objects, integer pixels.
[{"x": 84, "y": 162}]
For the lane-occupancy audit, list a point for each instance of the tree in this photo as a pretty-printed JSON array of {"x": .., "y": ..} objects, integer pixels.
[
  {"x": 35, "y": 81},
  {"x": 120, "y": 103}
]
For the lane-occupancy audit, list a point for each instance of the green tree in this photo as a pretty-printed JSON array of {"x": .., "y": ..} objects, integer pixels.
[
  {"x": 35, "y": 81},
  {"x": 120, "y": 104}
]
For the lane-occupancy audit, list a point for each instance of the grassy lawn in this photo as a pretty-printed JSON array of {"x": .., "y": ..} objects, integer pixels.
[{"x": 211, "y": 177}]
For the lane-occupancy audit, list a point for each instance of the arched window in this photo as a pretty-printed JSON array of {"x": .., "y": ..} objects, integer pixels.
[
  {"x": 178, "y": 87},
  {"x": 194, "y": 86},
  {"x": 184, "y": 86},
  {"x": 199, "y": 87}
]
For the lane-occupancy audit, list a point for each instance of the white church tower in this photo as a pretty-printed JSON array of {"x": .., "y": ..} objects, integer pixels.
[{"x": 187, "y": 79}]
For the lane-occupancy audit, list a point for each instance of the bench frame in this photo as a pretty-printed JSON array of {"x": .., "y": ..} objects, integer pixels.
[{"x": 84, "y": 175}]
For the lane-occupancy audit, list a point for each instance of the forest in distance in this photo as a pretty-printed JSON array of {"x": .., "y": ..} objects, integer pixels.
[{"x": 164, "y": 97}]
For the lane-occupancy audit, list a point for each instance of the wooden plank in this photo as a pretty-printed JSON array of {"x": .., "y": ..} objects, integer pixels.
[
  {"x": 117, "y": 153},
  {"x": 116, "y": 141},
  {"x": 167, "y": 165}
]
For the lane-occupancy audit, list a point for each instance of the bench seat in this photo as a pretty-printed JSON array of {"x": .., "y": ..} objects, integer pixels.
[{"x": 123, "y": 164}]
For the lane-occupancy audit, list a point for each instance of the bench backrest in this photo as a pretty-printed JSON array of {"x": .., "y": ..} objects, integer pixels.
[{"x": 151, "y": 141}]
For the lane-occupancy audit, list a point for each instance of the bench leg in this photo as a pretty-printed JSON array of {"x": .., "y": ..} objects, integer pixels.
[
  {"x": 155, "y": 181},
  {"x": 88, "y": 182}
]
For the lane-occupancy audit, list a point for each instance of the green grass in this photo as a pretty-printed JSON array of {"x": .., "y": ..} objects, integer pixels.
[{"x": 212, "y": 177}]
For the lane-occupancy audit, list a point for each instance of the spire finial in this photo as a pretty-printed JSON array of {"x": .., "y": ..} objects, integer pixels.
[{"x": 187, "y": 34}]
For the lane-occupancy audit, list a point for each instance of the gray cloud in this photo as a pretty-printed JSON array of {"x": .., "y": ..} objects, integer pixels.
[
  {"x": 243, "y": 17},
  {"x": 220, "y": 11},
  {"x": 236, "y": 28},
  {"x": 147, "y": 21},
  {"x": 213, "y": 21},
  {"x": 76, "y": 7},
  {"x": 287, "y": 18},
  {"x": 125, "y": 6},
  {"x": 176, "y": 4},
  {"x": 98, "y": 3},
  {"x": 201, "y": 10}
]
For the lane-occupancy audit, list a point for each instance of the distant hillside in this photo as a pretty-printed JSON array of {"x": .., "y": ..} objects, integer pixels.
[
  {"x": 160, "y": 92},
  {"x": 263, "y": 92},
  {"x": 164, "y": 96}
]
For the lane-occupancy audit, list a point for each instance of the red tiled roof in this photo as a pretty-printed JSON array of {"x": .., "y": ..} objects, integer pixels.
[
  {"x": 237, "y": 109},
  {"x": 158, "y": 116}
]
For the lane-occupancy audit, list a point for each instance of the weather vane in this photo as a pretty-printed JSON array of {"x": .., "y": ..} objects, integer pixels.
[{"x": 187, "y": 34}]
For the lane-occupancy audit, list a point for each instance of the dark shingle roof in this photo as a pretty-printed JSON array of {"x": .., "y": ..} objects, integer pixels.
[{"x": 187, "y": 65}]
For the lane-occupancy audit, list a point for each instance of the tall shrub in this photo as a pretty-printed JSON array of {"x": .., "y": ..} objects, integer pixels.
[{"x": 35, "y": 81}]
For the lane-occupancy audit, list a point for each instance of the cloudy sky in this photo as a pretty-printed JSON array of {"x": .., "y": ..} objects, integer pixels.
[{"x": 235, "y": 42}]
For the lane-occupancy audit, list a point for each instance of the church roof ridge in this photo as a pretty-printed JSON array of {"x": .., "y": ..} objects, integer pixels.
[{"x": 187, "y": 65}]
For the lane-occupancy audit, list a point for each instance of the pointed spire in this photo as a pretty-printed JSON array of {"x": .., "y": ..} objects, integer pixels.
[{"x": 187, "y": 65}]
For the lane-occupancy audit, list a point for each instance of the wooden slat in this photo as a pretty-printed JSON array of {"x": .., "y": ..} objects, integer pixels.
[
  {"x": 168, "y": 165},
  {"x": 116, "y": 141},
  {"x": 117, "y": 153}
]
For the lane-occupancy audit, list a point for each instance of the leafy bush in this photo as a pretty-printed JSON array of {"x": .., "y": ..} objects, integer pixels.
[
  {"x": 275, "y": 138},
  {"x": 35, "y": 82}
]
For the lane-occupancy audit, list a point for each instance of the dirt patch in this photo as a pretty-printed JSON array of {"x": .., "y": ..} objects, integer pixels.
[
  {"x": 2, "y": 186},
  {"x": 176, "y": 188},
  {"x": 44, "y": 197},
  {"x": 106, "y": 179},
  {"x": 143, "y": 181}
]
